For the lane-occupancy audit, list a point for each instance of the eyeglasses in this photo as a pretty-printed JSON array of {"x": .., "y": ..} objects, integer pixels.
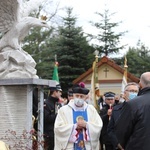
[{"x": 133, "y": 91}]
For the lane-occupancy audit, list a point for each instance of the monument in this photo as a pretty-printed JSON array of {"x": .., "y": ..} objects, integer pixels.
[
  {"x": 14, "y": 26},
  {"x": 17, "y": 70}
]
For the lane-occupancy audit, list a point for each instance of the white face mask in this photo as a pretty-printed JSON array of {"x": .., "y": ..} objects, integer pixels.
[
  {"x": 78, "y": 102},
  {"x": 121, "y": 100}
]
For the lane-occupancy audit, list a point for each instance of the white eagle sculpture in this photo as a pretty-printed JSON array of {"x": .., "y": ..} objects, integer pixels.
[{"x": 15, "y": 24}]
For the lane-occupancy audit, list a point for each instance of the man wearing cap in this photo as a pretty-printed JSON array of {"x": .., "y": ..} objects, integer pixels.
[
  {"x": 50, "y": 112},
  {"x": 77, "y": 125},
  {"x": 105, "y": 114},
  {"x": 69, "y": 95}
]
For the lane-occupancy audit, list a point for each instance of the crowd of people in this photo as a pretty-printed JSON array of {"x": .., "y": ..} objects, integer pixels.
[{"x": 122, "y": 122}]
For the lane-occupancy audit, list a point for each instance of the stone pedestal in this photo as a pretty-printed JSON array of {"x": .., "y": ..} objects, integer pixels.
[{"x": 16, "y": 98}]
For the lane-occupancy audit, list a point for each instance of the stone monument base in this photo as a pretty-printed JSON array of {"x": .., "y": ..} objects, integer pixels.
[{"x": 16, "y": 98}]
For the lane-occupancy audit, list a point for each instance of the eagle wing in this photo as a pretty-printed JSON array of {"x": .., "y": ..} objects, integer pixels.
[{"x": 9, "y": 14}]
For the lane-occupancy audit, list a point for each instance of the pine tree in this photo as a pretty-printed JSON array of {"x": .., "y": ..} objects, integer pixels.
[
  {"x": 107, "y": 38},
  {"x": 138, "y": 59},
  {"x": 73, "y": 51}
]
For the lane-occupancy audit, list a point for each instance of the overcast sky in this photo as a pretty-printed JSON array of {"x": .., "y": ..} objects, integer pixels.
[{"x": 135, "y": 15}]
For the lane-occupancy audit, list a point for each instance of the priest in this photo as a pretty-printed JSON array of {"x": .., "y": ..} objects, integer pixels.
[{"x": 77, "y": 125}]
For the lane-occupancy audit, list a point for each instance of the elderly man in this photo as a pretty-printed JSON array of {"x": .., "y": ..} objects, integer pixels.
[
  {"x": 130, "y": 91},
  {"x": 77, "y": 125},
  {"x": 134, "y": 122}
]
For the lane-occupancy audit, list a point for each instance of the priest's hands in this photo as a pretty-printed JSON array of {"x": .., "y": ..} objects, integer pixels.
[{"x": 81, "y": 123}]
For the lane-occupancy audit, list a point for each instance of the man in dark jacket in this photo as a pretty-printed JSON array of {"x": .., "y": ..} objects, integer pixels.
[
  {"x": 134, "y": 122},
  {"x": 130, "y": 91},
  {"x": 50, "y": 111},
  {"x": 105, "y": 114}
]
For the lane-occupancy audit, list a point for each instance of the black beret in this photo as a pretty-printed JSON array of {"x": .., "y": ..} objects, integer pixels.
[{"x": 80, "y": 88}]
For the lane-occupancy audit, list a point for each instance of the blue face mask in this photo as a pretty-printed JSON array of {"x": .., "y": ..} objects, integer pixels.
[{"x": 132, "y": 95}]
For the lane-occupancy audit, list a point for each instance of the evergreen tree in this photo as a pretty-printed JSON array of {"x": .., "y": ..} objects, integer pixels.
[
  {"x": 107, "y": 38},
  {"x": 138, "y": 59},
  {"x": 73, "y": 51}
]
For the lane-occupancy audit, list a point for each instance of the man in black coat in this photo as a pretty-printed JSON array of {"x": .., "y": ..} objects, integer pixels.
[
  {"x": 105, "y": 114},
  {"x": 50, "y": 111},
  {"x": 130, "y": 91},
  {"x": 134, "y": 122}
]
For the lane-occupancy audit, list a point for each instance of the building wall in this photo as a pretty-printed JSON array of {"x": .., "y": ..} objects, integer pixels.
[{"x": 109, "y": 79}]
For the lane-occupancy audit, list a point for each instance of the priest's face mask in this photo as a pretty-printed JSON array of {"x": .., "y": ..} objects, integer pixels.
[{"x": 79, "y": 99}]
